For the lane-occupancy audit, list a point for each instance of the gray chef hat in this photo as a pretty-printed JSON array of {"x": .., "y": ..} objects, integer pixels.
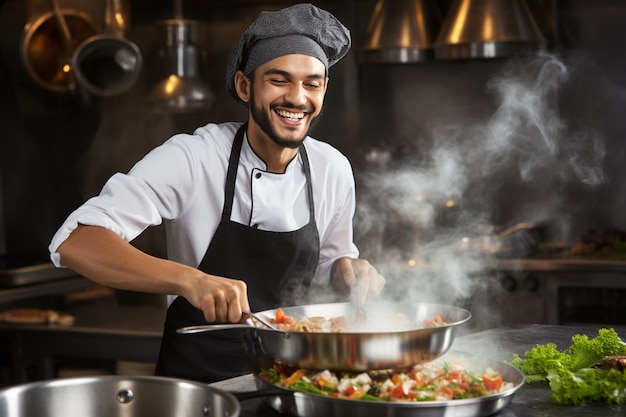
[{"x": 299, "y": 29}]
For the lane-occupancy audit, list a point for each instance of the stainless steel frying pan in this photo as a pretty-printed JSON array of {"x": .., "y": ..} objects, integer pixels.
[{"x": 375, "y": 344}]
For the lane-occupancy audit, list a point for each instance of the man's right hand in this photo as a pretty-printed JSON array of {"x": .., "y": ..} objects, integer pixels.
[{"x": 221, "y": 299}]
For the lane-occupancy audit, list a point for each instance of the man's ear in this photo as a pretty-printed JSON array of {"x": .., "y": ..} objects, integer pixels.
[{"x": 242, "y": 86}]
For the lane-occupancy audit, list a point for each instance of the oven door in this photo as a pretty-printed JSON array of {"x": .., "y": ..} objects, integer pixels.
[{"x": 588, "y": 298}]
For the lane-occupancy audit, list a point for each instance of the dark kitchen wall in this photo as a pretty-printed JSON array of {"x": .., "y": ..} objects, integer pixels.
[{"x": 56, "y": 150}]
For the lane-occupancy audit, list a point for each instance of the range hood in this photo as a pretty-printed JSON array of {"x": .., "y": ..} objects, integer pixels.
[
  {"x": 401, "y": 31},
  {"x": 488, "y": 29},
  {"x": 408, "y": 31}
]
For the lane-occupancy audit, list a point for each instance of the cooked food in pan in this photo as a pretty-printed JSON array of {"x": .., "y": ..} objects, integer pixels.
[
  {"x": 339, "y": 324},
  {"x": 426, "y": 382}
]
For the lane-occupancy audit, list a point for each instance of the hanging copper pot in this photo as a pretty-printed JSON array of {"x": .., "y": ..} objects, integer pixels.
[{"x": 45, "y": 51}]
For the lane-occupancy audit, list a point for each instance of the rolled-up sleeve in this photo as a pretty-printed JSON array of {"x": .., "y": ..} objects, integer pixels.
[{"x": 154, "y": 189}]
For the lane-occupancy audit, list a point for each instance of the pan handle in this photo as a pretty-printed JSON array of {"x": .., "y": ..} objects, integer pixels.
[
  {"x": 227, "y": 326},
  {"x": 211, "y": 327},
  {"x": 265, "y": 392}
]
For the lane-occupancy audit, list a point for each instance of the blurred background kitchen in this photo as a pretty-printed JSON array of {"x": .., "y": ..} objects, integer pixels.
[{"x": 487, "y": 139}]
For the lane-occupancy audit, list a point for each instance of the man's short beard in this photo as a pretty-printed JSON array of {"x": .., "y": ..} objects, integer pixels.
[{"x": 261, "y": 118}]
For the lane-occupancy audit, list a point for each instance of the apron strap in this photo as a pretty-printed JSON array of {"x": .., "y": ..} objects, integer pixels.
[
  {"x": 309, "y": 184},
  {"x": 231, "y": 175}
]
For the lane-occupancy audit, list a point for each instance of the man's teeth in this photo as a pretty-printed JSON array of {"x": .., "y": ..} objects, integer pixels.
[{"x": 290, "y": 115}]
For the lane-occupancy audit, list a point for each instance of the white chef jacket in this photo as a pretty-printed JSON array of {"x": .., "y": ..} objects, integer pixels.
[{"x": 182, "y": 184}]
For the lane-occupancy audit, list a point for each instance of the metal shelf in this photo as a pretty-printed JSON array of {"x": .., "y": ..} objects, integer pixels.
[{"x": 58, "y": 286}]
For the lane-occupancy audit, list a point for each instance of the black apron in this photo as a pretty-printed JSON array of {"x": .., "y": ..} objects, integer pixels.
[{"x": 273, "y": 265}]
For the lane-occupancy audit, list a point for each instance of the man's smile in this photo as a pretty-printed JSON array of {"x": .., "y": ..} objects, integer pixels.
[{"x": 291, "y": 116}]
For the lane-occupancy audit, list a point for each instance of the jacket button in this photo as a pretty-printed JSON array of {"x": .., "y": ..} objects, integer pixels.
[{"x": 258, "y": 175}]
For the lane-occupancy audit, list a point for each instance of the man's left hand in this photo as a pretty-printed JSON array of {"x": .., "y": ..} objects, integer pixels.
[{"x": 346, "y": 272}]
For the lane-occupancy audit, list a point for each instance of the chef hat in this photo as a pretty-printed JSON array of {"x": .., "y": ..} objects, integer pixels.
[{"x": 299, "y": 29}]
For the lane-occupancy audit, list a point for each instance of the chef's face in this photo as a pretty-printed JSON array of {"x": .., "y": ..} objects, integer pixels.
[{"x": 286, "y": 97}]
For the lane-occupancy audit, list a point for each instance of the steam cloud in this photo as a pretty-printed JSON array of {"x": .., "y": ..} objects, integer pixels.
[{"x": 440, "y": 205}]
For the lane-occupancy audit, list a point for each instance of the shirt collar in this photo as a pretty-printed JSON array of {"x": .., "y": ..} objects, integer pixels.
[{"x": 250, "y": 158}]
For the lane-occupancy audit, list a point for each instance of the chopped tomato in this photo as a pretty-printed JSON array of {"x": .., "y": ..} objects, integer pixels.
[
  {"x": 492, "y": 382},
  {"x": 350, "y": 390},
  {"x": 281, "y": 317},
  {"x": 400, "y": 391},
  {"x": 411, "y": 395},
  {"x": 420, "y": 379},
  {"x": 357, "y": 394},
  {"x": 454, "y": 375}
]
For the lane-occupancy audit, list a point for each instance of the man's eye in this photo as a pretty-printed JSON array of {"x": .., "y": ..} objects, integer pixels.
[
  {"x": 314, "y": 85},
  {"x": 277, "y": 81}
]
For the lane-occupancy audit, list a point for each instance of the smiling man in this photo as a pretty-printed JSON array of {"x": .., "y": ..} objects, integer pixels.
[
  {"x": 287, "y": 104},
  {"x": 255, "y": 212}
]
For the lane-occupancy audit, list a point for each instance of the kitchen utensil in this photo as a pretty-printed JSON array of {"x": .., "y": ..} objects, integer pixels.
[
  {"x": 65, "y": 30},
  {"x": 111, "y": 395},
  {"x": 108, "y": 64},
  {"x": 358, "y": 314},
  {"x": 303, "y": 404},
  {"x": 379, "y": 347},
  {"x": 259, "y": 319}
]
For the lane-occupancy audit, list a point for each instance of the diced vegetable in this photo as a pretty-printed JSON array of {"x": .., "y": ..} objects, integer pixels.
[
  {"x": 492, "y": 382},
  {"x": 293, "y": 378},
  {"x": 281, "y": 317}
]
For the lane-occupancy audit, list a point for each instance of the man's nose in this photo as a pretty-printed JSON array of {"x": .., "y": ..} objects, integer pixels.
[{"x": 297, "y": 94}]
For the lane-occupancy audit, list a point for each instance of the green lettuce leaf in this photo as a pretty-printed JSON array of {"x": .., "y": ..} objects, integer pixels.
[{"x": 588, "y": 385}]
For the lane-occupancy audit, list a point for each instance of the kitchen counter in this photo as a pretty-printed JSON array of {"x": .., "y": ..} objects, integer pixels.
[
  {"x": 100, "y": 331},
  {"x": 559, "y": 265},
  {"x": 500, "y": 343}
]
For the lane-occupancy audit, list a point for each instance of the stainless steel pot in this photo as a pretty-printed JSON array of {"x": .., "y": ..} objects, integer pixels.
[
  {"x": 108, "y": 64},
  {"x": 373, "y": 345},
  {"x": 108, "y": 396},
  {"x": 309, "y": 405}
]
